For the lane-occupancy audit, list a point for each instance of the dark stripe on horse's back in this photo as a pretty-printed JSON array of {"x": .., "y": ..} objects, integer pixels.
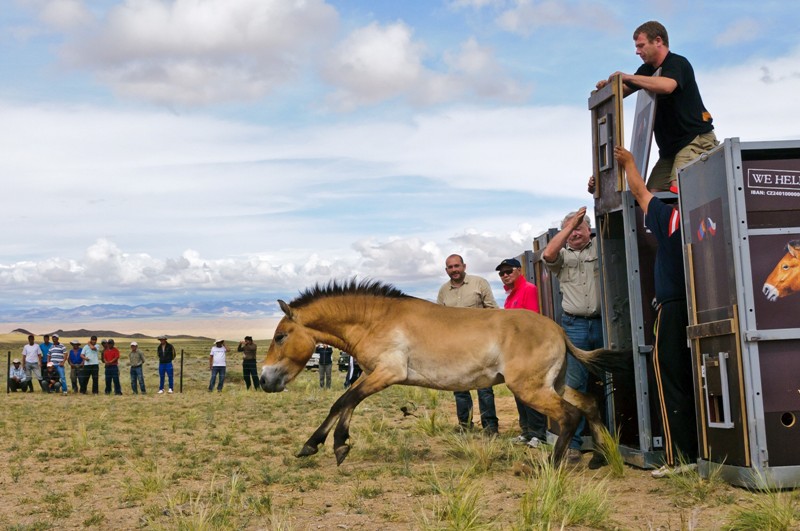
[{"x": 335, "y": 288}]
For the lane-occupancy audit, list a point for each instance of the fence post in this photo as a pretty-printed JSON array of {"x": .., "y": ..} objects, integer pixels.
[
  {"x": 8, "y": 372},
  {"x": 181, "y": 382}
]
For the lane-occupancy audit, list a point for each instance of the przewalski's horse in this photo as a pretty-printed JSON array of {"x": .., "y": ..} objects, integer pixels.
[
  {"x": 399, "y": 339},
  {"x": 785, "y": 278}
]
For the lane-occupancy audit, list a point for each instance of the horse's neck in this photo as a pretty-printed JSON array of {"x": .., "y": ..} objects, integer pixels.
[{"x": 342, "y": 321}]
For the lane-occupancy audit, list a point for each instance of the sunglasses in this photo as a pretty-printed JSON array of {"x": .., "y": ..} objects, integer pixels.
[{"x": 505, "y": 272}]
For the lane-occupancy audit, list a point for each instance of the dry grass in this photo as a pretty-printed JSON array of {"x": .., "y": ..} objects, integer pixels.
[{"x": 202, "y": 460}]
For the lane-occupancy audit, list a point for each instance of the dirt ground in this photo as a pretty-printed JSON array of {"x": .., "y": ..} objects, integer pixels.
[{"x": 200, "y": 460}]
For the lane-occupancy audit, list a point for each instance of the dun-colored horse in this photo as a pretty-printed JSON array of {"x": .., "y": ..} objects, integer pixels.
[{"x": 399, "y": 339}]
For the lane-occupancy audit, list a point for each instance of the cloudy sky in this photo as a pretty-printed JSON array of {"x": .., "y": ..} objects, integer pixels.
[{"x": 206, "y": 157}]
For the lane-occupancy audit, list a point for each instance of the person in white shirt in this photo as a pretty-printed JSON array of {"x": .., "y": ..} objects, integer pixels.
[
  {"x": 217, "y": 364},
  {"x": 17, "y": 379},
  {"x": 32, "y": 356}
]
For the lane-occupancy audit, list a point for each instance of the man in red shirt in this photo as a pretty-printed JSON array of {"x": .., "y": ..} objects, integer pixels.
[
  {"x": 111, "y": 361},
  {"x": 522, "y": 295}
]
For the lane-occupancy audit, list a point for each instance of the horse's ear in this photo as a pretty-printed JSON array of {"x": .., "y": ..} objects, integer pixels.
[
  {"x": 793, "y": 248},
  {"x": 286, "y": 309}
]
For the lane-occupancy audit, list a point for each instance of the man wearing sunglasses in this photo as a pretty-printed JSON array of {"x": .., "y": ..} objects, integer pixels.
[{"x": 521, "y": 294}]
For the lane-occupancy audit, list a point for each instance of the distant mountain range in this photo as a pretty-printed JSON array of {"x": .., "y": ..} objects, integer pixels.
[
  {"x": 189, "y": 310},
  {"x": 103, "y": 333}
]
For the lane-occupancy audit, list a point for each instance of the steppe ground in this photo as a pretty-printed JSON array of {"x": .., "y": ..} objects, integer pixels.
[{"x": 199, "y": 460}]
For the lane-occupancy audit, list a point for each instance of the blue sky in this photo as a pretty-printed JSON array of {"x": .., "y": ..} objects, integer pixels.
[{"x": 199, "y": 151}]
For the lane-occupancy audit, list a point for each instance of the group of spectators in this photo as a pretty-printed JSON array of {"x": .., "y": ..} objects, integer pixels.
[
  {"x": 683, "y": 131},
  {"x": 47, "y": 362}
]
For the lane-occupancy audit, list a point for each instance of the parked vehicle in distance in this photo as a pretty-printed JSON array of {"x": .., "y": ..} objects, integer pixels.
[
  {"x": 344, "y": 361},
  {"x": 313, "y": 362}
]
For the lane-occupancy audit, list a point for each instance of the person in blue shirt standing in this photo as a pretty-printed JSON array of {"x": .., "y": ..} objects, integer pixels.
[
  {"x": 45, "y": 348},
  {"x": 672, "y": 358},
  {"x": 75, "y": 364}
]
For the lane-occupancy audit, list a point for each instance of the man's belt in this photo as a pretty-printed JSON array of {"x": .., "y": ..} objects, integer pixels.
[{"x": 587, "y": 317}]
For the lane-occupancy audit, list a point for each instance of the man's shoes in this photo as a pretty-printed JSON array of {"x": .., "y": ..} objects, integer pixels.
[
  {"x": 170, "y": 391},
  {"x": 668, "y": 471},
  {"x": 573, "y": 456},
  {"x": 464, "y": 428},
  {"x": 520, "y": 439},
  {"x": 491, "y": 431},
  {"x": 161, "y": 391},
  {"x": 535, "y": 442}
]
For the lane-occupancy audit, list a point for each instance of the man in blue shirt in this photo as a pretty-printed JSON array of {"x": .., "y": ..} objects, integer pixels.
[{"x": 672, "y": 358}]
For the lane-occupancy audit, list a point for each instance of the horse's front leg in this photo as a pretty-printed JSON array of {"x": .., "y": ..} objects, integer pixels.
[
  {"x": 376, "y": 381},
  {"x": 318, "y": 437}
]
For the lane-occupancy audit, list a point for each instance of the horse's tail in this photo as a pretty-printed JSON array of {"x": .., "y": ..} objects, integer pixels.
[{"x": 602, "y": 360}]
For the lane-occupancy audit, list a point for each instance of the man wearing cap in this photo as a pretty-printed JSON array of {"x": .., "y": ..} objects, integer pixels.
[
  {"x": 75, "y": 363},
  {"x": 469, "y": 291},
  {"x": 166, "y": 353},
  {"x": 137, "y": 370},
  {"x": 58, "y": 356},
  {"x": 521, "y": 294},
  {"x": 111, "y": 362},
  {"x": 249, "y": 362},
  {"x": 51, "y": 378},
  {"x": 91, "y": 366},
  {"x": 32, "y": 356},
  {"x": 217, "y": 364},
  {"x": 572, "y": 256},
  {"x": 325, "y": 352},
  {"x": 17, "y": 379}
]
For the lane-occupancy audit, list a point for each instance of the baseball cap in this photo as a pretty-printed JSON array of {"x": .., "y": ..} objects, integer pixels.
[
  {"x": 134, "y": 344},
  {"x": 49, "y": 363},
  {"x": 74, "y": 342},
  {"x": 16, "y": 360},
  {"x": 55, "y": 336},
  {"x": 162, "y": 337},
  {"x": 219, "y": 341},
  {"x": 510, "y": 262}
]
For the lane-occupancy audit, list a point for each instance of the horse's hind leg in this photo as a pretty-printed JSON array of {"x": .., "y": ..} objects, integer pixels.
[
  {"x": 547, "y": 401},
  {"x": 587, "y": 404}
]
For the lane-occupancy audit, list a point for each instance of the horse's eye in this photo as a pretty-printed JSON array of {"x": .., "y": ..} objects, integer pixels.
[
  {"x": 279, "y": 338},
  {"x": 785, "y": 267}
]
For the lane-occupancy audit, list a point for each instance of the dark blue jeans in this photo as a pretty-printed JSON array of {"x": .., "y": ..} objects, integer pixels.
[
  {"x": 164, "y": 368},
  {"x": 112, "y": 376},
  {"x": 215, "y": 371},
  {"x": 531, "y": 422},
  {"x": 250, "y": 371},
  {"x": 586, "y": 334},
  {"x": 137, "y": 377},
  {"x": 485, "y": 404}
]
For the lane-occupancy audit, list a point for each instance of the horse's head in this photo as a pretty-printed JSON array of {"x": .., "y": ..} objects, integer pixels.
[
  {"x": 292, "y": 346},
  {"x": 785, "y": 278}
]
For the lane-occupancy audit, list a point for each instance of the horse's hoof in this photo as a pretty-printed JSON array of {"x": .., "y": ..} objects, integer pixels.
[
  {"x": 598, "y": 460},
  {"x": 307, "y": 450},
  {"x": 341, "y": 452}
]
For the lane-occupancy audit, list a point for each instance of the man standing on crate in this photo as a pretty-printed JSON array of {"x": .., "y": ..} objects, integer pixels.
[
  {"x": 683, "y": 127},
  {"x": 469, "y": 291},
  {"x": 572, "y": 256}
]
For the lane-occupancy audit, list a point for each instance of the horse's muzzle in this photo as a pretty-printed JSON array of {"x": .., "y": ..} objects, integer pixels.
[
  {"x": 273, "y": 379},
  {"x": 770, "y": 292}
]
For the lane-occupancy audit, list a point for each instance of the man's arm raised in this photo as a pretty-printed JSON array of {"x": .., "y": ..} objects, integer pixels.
[{"x": 635, "y": 181}]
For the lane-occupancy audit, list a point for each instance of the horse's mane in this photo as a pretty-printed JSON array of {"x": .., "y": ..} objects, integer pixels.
[{"x": 353, "y": 286}]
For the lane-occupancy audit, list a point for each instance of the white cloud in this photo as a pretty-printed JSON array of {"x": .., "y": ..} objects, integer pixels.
[
  {"x": 62, "y": 14},
  {"x": 197, "y": 52},
  {"x": 378, "y": 63},
  {"x": 738, "y": 32},
  {"x": 529, "y": 15}
]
